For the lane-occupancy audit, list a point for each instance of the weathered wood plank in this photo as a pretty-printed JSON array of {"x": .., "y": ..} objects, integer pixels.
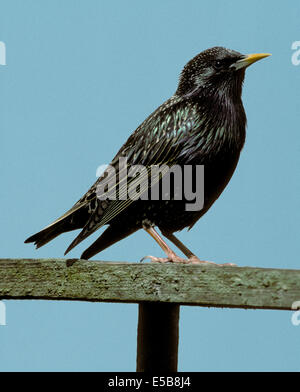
[{"x": 61, "y": 279}]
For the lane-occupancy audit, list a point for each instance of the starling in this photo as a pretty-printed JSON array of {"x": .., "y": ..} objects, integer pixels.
[{"x": 203, "y": 123}]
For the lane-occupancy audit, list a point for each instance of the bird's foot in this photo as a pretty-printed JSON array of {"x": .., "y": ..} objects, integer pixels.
[
  {"x": 173, "y": 258},
  {"x": 154, "y": 259},
  {"x": 195, "y": 260}
]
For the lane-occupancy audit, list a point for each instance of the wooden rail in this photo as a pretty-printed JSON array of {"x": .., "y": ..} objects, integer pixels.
[
  {"x": 159, "y": 289},
  {"x": 73, "y": 279}
]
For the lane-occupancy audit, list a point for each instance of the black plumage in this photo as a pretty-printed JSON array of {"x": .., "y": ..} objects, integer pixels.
[{"x": 203, "y": 123}]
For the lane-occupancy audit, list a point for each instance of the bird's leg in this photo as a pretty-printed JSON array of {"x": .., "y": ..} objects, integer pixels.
[
  {"x": 186, "y": 251},
  {"x": 171, "y": 256},
  {"x": 192, "y": 258}
]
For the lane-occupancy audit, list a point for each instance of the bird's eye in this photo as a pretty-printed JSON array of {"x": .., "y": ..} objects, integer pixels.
[{"x": 218, "y": 64}]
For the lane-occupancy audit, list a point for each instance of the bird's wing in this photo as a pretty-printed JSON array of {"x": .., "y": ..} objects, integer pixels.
[{"x": 156, "y": 141}]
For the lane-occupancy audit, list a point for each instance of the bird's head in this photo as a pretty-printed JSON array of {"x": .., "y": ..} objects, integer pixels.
[{"x": 215, "y": 71}]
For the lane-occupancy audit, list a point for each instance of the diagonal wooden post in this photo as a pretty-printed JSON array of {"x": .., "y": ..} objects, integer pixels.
[{"x": 157, "y": 339}]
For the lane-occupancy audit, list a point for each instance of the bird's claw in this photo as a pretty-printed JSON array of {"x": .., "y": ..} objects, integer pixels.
[
  {"x": 173, "y": 258},
  {"x": 154, "y": 259}
]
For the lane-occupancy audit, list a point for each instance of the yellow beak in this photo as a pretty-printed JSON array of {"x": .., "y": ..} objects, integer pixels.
[{"x": 250, "y": 59}]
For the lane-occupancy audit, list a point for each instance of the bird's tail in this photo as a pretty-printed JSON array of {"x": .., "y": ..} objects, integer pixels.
[
  {"x": 111, "y": 235},
  {"x": 76, "y": 219},
  {"x": 62, "y": 225}
]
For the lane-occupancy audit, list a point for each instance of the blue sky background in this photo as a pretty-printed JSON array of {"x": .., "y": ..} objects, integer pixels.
[{"x": 80, "y": 77}]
